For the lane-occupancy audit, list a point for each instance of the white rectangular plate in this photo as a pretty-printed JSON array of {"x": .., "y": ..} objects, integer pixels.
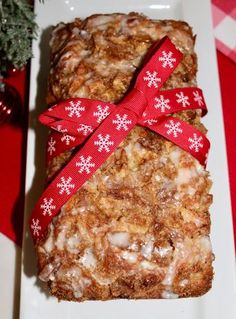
[{"x": 220, "y": 302}]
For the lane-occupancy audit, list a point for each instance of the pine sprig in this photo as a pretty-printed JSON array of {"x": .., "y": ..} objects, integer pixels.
[{"x": 17, "y": 29}]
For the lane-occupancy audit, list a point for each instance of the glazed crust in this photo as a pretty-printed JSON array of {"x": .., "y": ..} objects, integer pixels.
[{"x": 139, "y": 227}]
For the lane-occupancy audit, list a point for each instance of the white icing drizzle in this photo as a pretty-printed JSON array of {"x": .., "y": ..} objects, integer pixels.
[
  {"x": 105, "y": 178},
  {"x": 183, "y": 282},
  {"x": 175, "y": 155},
  {"x": 179, "y": 254},
  {"x": 130, "y": 257},
  {"x": 162, "y": 251},
  {"x": 188, "y": 251},
  {"x": 100, "y": 22},
  {"x": 185, "y": 175},
  {"x": 168, "y": 280},
  {"x": 84, "y": 34},
  {"x": 148, "y": 265},
  {"x": 163, "y": 160},
  {"x": 169, "y": 295},
  {"x": 177, "y": 196},
  {"x": 134, "y": 246},
  {"x": 125, "y": 27},
  {"x": 79, "y": 286},
  {"x": 88, "y": 260},
  {"x": 71, "y": 60},
  {"x": 128, "y": 150},
  {"x": 76, "y": 31},
  {"x": 57, "y": 28},
  {"x": 72, "y": 243},
  {"x": 191, "y": 191},
  {"x": 49, "y": 243},
  {"x": 157, "y": 178},
  {"x": 82, "y": 209},
  {"x": 78, "y": 210},
  {"x": 167, "y": 28},
  {"x": 119, "y": 239},
  {"x": 101, "y": 281},
  {"x": 46, "y": 273},
  {"x": 205, "y": 243},
  {"x": 135, "y": 153},
  {"x": 54, "y": 33},
  {"x": 199, "y": 167},
  {"x": 76, "y": 282},
  {"x": 147, "y": 248},
  {"x": 139, "y": 149},
  {"x": 73, "y": 271},
  {"x": 105, "y": 68},
  {"x": 61, "y": 238}
]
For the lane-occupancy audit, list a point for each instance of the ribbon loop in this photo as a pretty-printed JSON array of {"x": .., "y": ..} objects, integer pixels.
[{"x": 161, "y": 64}]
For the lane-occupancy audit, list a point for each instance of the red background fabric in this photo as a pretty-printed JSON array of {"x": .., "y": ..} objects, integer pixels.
[
  {"x": 12, "y": 165},
  {"x": 227, "y": 75}
]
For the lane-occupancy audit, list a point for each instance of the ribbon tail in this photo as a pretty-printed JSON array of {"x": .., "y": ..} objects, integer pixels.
[
  {"x": 158, "y": 68},
  {"x": 182, "y": 134},
  {"x": 58, "y": 143},
  {"x": 74, "y": 114},
  {"x": 82, "y": 166}
]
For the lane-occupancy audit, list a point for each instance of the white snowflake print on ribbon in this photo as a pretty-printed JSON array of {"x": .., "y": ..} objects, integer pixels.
[
  {"x": 85, "y": 164},
  {"x": 174, "y": 128},
  {"x": 65, "y": 185},
  {"x": 85, "y": 129},
  {"x": 101, "y": 113},
  {"x": 162, "y": 103},
  {"x": 182, "y": 99},
  {"x": 74, "y": 109},
  {"x": 152, "y": 79},
  {"x": 67, "y": 139},
  {"x": 151, "y": 122},
  {"x": 35, "y": 227},
  {"x": 198, "y": 98},
  {"x": 195, "y": 143},
  {"x": 51, "y": 146},
  {"x": 103, "y": 143},
  {"x": 122, "y": 122},
  {"x": 47, "y": 206},
  {"x": 167, "y": 59},
  {"x": 60, "y": 129}
]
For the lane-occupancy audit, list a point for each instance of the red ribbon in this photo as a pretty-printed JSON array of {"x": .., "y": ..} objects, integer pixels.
[{"x": 105, "y": 126}]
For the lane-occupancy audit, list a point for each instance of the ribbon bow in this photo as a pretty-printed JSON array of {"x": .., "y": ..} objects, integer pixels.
[{"x": 104, "y": 126}]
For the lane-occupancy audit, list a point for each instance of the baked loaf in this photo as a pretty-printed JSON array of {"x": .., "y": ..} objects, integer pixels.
[{"x": 139, "y": 228}]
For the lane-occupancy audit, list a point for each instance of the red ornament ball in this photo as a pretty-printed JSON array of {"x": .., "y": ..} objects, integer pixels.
[{"x": 10, "y": 103}]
